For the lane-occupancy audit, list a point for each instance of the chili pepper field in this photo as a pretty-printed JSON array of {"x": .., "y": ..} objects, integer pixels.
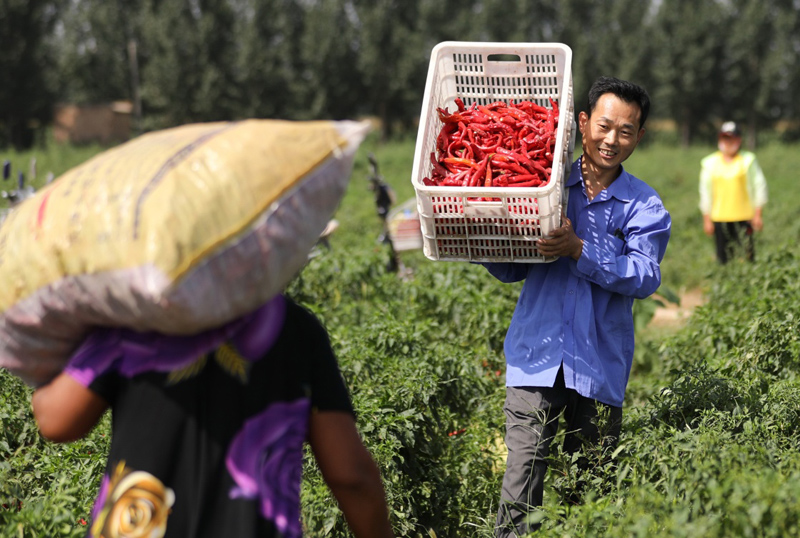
[{"x": 712, "y": 419}]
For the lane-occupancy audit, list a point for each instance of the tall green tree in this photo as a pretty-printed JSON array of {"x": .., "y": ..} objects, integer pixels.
[
  {"x": 570, "y": 22},
  {"x": 786, "y": 76},
  {"x": 688, "y": 62},
  {"x": 747, "y": 46},
  {"x": 268, "y": 57},
  {"x": 620, "y": 41},
  {"x": 27, "y": 66},
  {"x": 392, "y": 59},
  {"x": 93, "y": 61},
  {"x": 521, "y": 21},
  {"x": 607, "y": 38},
  {"x": 201, "y": 60},
  {"x": 188, "y": 56},
  {"x": 755, "y": 58},
  {"x": 332, "y": 85},
  {"x": 449, "y": 20}
]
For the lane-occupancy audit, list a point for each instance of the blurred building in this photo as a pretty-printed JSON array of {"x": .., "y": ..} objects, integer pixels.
[{"x": 101, "y": 123}]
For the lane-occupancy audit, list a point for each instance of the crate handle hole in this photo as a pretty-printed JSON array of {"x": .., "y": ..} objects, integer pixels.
[{"x": 503, "y": 58}]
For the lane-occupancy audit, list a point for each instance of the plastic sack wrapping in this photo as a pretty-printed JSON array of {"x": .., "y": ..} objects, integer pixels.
[{"x": 176, "y": 231}]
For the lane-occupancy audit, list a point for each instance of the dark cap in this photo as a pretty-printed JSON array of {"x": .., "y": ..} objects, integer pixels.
[{"x": 730, "y": 128}]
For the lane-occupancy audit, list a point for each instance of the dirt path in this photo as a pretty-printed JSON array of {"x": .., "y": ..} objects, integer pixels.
[{"x": 673, "y": 315}]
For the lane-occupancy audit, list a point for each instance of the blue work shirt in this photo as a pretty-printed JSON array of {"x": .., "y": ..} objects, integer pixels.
[{"x": 579, "y": 313}]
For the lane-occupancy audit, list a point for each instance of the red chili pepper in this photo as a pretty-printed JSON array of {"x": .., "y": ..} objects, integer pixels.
[
  {"x": 518, "y": 114},
  {"x": 437, "y": 168},
  {"x": 554, "y": 104},
  {"x": 454, "y": 180},
  {"x": 459, "y": 160},
  {"x": 498, "y": 126},
  {"x": 533, "y": 107},
  {"x": 477, "y": 175},
  {"x": 508, "y": 165},
  {"x": 492, "y": 143},
  {"x": 509, "y": 120},
  {"x": 520, "y": 178},
  {"x": 532, "y": 183},
  {"x": 488, "y": 113},
  {"x": 442, "y": 141},
  {"x": 551, "y": 121},
  {"x": 497, "y": 144},
  {"x": 540, "y": 168},
  {"x": 446, "y": 117},
  {"x": 488, "y": 181}
]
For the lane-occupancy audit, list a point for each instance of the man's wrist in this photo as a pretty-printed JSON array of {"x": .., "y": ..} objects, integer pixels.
[{"x": 578, "y": 251}]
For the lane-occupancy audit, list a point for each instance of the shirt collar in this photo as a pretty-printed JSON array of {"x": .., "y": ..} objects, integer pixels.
[{"x": 619, "y": 189}]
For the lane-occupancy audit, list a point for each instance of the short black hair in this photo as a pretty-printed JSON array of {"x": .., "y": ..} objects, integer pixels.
[{"x": 627, "y": 91}]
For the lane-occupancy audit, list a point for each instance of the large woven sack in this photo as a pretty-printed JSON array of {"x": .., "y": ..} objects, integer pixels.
[{"x": 176, "y": 231}]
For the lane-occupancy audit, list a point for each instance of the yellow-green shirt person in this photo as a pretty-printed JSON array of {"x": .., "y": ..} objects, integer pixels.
[{"x": 733, "y": 191}]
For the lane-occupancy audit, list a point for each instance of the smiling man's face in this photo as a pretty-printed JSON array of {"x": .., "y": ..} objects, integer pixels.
[{"x": 611, "y": 133}]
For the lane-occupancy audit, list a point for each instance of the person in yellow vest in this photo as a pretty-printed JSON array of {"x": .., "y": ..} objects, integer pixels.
[{"x": 733, "y": 191}]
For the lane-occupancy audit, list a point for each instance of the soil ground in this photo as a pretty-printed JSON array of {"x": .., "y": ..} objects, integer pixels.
[{"x": 673, "y": 315}]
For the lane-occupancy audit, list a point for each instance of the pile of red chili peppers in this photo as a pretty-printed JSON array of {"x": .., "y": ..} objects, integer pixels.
[{"x": 495, "y": 145}]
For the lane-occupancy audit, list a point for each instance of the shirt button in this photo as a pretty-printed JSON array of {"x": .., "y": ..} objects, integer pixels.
[{"x": 571, "y": 292}]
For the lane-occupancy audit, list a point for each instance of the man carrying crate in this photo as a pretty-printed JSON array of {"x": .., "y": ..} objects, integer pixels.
[{"x": 569, "y": 347}]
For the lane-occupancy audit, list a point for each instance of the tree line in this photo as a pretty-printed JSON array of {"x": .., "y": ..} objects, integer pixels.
[{"x": 181, "y": 61}]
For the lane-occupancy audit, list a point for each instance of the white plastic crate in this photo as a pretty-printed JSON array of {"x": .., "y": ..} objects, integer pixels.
[
  {"x": 404, "y": 227},
  {"x": 456, "y": 225}
]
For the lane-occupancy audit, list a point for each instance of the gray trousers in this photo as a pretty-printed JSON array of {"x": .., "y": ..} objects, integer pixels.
[{"x": 532, "y": 415}]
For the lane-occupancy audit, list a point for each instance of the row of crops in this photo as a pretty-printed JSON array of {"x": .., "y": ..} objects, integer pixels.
[
  {"x": 710, "y": 437},
  {"x": 710, "y": 451}
]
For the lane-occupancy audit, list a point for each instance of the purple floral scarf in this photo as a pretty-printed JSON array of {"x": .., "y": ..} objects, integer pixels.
[{"x": 130, "y": 353}]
